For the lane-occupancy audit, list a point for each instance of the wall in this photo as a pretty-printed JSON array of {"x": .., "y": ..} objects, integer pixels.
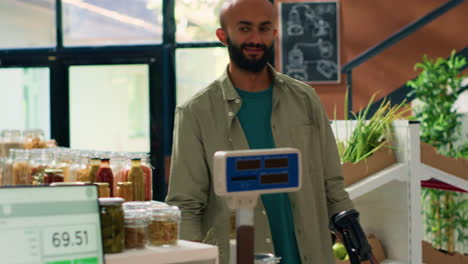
[{"x": 365, "y": 23}]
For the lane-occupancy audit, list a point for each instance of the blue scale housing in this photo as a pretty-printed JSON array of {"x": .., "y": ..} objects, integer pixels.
[{"x": 261, "y": 172}]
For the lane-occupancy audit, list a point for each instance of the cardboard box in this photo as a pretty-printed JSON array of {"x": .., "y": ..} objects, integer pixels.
[
  {"x": 354, "y": 172},
  {"x": 433, "y": 256},
  {"x": 377, "y": 250},
  {"x": 457, "y": 167}
]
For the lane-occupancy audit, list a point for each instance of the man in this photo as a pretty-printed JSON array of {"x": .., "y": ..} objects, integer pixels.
[{"x": 253, "y": 106}]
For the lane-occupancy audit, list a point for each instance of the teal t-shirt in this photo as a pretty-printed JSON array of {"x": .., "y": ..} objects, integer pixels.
[{"x": 255, "y": 119}]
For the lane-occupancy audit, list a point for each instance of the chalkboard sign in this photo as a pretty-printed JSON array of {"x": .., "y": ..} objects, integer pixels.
[{"x": 309, "y": 40}]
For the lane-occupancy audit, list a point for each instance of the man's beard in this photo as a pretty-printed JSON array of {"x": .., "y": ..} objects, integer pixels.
[{"x": 251, "y": 65}]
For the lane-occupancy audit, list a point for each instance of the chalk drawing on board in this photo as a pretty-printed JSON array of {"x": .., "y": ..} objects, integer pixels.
[
  {"x": 297, "y": 66},
  {"x": 309, "y": 49},
  {"x": 318, "y": 26}
]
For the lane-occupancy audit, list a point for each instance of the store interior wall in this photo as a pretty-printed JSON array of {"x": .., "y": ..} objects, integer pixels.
[{"x": 366, "y": 23}]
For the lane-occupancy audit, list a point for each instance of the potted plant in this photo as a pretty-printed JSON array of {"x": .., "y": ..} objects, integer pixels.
[
  {"x": 438, "y": 87},
  {"x": 370, "y": 139}
]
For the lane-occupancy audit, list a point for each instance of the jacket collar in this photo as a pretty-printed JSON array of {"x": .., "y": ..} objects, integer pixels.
[{"x": 230, "y": 93}]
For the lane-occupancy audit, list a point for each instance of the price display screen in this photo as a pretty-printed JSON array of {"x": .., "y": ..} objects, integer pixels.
[{"x": 50, "y": 225}]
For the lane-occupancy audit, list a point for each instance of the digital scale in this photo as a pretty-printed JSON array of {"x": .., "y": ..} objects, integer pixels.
[
  {"x": 50, "y": 225},
  {"x": 243, "y": 175}
]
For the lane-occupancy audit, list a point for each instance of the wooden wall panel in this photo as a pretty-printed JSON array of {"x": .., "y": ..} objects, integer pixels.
[{"x": 365, "y": 23}]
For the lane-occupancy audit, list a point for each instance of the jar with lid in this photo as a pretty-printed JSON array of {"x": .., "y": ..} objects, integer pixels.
[
  {"x": 136, "y": 233},
  {"x": 148, "y": 170},
  {"x": 94, "y": 164},
  {"x": 63, "y": 161},
  {"x": 137, "y": 205},
  {"x": 7, "y": 178},
  {"x": 40, "y": 160},
  {"x": 79, "y": 169},
  {"x": 53, "y": 175},
  {"x": 163, "y": 226},
  {"x": 112, "y": 224},
  {"x": 125, "y": 191},
  {"x": 118, "y": 163},
  {"x": 34, "y": 138},
  {"x": 137, "y": 177},
  {"x": 2, "y": 163},
  {"x": 104, "y": 174},
  {"x": 11, "y": 139},
  {"x": 21, "y": 168}
]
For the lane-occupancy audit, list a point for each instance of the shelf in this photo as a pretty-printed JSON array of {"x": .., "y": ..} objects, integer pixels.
[
  {"x": 431, "y": 172},
  {"x": 374, "y": 181},
  {"x": 184, "y": 252}
]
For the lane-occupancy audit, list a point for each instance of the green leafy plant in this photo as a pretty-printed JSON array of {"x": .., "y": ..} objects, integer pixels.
[
  {"x": 438, "y": 87},
  {"x": 370, "y": 135}
]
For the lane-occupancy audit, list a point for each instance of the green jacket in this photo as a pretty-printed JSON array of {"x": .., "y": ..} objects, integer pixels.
[{"x": 207, "y": 123}]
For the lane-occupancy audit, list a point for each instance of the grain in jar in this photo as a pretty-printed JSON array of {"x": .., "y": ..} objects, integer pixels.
[
  {"x": 163, "y": 226},
  {"x": 136, "y": 233},
  {"x": 79, "y": 169},
  {"x": 112, "y": 224},
  {"x": 21, "y": 168}
]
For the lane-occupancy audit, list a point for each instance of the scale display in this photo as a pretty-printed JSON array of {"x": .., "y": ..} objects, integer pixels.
[
  {"x": 261, "y": 172},
  {"x": 50, "y": 225}
]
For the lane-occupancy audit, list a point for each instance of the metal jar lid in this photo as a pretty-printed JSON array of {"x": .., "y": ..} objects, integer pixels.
[{"x": 266, "y": 258}]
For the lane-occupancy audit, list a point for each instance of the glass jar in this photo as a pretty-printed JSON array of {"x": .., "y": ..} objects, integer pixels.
[
  {"x": 103, "y": 189},
  {"x": 148, "y": 170},
  {"x": 137, "y": 177},
  {"x": 7, "y": 178},
  {"x": 11, "y": 139},
  {"x": 94, "y": 164},
  {"x": 163, "y": 226},
  {"x": 136, "y": 224},
  {"x": 63, "y": 161},
  {"x": 2, "y": 163},
  {"x": 79, "y": 170},
  {"x": 21, "y": 168},
  {"x": 137, "y": 205},
  {"x": 118, "y": 163},
  {"x": 53, "y": 175},
  {"x": 40, "y": 160},
  {"x": 104, "y": 174},
  {"x": 112, "y": 224},
  {"x": 33, "y": 139},
  {"x": 125, "y": 191}
]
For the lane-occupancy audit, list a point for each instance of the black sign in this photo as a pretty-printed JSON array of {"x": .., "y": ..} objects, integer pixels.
[{"x": 309, "y": 41}]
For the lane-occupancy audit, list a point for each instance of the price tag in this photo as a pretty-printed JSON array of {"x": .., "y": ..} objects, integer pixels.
[{"x": 69, "y": 239}]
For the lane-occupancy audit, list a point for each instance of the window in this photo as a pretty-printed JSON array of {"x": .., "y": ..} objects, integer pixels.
[
  {"x": 197, "y": 20},
  {"x": 109, "y": 108},
  {"x": 27, "y": 24},
  {"x": 197, "y": 68},
  {"x": 111, "y": 22},
  {"x": 25, "y": 99}
]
